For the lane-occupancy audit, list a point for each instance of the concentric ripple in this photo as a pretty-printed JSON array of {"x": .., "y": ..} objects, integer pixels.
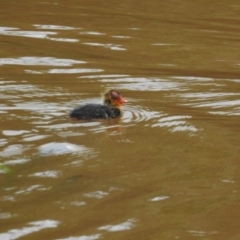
[
  {"x": 137, "y": 114},
  {"x": 158, "y": 119}
]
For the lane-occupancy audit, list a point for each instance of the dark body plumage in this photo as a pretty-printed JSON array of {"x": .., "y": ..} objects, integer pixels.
[
  {"x": 110, "y": 108},
  {"x": 95, "y": 111}
]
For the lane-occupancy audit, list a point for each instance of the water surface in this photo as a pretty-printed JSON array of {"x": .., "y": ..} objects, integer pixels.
[{"x": 168, "y": 168}]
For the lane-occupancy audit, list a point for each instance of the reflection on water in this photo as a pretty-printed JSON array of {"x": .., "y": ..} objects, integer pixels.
[
  {"x": 48, "y": 174},
  {"x": 76, "y": 70},
  {"x": 161, "y": 198},
  {"x": 45, "y": 61},
  {"x": 119, "y": 227},
  {"x": 176, "y": 124},
  {"x": 14, "y": 32},
  {"x": 144, "y": 84},
  {"x": 201, "y": 233},
  {"x": 48, "y": 61},
  {"x": 9, "y": 31},
  {"x": 168, "y": 168},
  {"x": 90, "y": 237},
  {"x": 108, "y": 45},
  {"x": 97, "y": 194},
  {"x": 105, "y": 76},
  {"x": 55, "y": 27},
  {"x": 33, "y": 227},
  {"x": 211, "y": 100}
]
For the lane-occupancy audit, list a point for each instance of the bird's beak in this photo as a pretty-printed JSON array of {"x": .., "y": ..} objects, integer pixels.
[{"x": 122, "y": 100}]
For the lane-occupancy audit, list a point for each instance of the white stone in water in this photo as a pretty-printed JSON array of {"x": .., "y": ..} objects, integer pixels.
[{"x": 55, "y": 148}]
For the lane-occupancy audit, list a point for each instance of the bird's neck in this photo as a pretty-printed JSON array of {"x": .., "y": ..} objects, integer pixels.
[{"x": 109, "y": 104}]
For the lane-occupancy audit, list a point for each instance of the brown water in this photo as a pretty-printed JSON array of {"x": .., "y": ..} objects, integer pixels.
[{"x": 168, "y": 169}]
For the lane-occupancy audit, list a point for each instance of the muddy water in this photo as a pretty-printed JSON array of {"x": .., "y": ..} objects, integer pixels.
[{"x": 168, "y": 169}]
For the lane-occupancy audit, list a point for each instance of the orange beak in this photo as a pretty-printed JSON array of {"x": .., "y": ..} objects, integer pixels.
[{"x": 119, "y": 101}]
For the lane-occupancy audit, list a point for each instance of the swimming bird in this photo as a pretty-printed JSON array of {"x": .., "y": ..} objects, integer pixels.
[{"x": 111, "y": 108}]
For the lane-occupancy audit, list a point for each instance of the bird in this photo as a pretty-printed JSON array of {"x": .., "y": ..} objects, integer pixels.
[{"x": 111, "y": 108}]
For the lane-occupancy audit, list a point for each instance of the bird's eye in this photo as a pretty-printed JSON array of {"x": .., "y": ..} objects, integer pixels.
[{"x": 114, "y": 95}]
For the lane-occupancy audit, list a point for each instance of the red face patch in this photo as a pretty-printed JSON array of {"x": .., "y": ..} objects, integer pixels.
[{"x": 117, "y": 99}]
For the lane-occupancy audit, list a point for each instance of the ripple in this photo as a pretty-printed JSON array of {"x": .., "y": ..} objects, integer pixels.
[
  {"x": 92, "y": 33},
  {"x": 30, "y": 189},
  {"x": 171, "y": 118},
  {"x": 107, "y": 45},
  {"x": 124, "y": 37},
  {"x": 160, "y": 198},
  {"x": 226, "y": 113},
  {"x": 176, "y": 124},
  {"x": 228, "y": 102},
  {"x": 31, "y": 138},
  {"x": 66, "y": 71},
  {"x": 76, "y": 70},
  {"x": 158, "y": 119},
  {"x": 17, "y": 161},
  {"x": 50, "y": 109},
  {"x": 31, "y": 228},
  {"x": 12, "y": 150},
  {"x": 63, "y": 39},
  {"x": 90, "y": 237},
  {"x": 40, "y": 61},
  {"x": 55, "y": 27},
  {"x": 14, "y": 132},
  {"x": 128, "y": 225},
  {"x": 3, "y": 142},
  {"x": 135, "y": 114},
  {"x": 18, "y": 87},
  {"x": 220, "y": 104},
  {"x": 194, "y": 78},
  {"x": 33, "y": 72},
  {"x": 163, "y": 44},
  {"x": 197, "y": 233},
  {"x": 6, "y": 215},
  {"x": 144, "y": 84},
  {"x": 48, "y": 174},
  {"x": 106, "y": 76},
  {"x": 205, "y": 95},
  {"x": 37, "y": 34},
  {"x": 97, "y": 194},
  {"x": 32, "y": 34},
  {"x": 71, "y": 125}
]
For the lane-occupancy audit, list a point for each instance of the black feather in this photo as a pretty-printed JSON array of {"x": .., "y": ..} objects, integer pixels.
[{"x": 95, "y": 111}]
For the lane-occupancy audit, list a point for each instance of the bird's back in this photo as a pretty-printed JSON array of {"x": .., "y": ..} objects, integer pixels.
[{"x": 94, "y": 111}]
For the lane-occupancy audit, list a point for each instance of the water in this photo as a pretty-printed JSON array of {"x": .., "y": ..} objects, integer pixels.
[{"x": 168, "y": 168}]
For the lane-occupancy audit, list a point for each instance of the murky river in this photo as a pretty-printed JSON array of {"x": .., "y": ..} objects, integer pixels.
[{"x": 169, "y": 168}]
